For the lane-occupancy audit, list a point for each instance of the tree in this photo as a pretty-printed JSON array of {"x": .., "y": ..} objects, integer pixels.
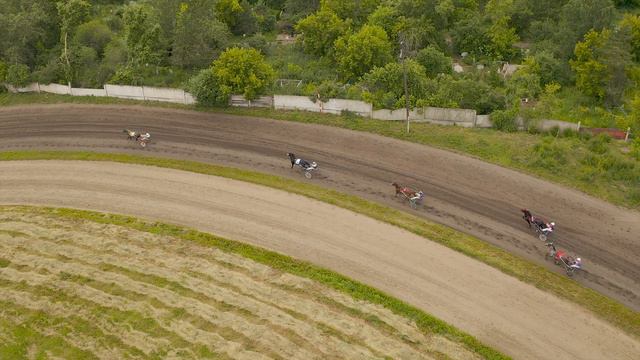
[
  {"x": 142, "y": 35},
  {"x": 434, "y": 61},
  {"x": 26, "y": 27},
  {"x": 470, "y": 35},
  {"x": 246, "y": 21},
  {"x": 502, "y": 39},
  {"x": 384, "y": 85},
  {"x": 228, "y": 12},
  {"x": 319, "y": 32},
  {"x": 242, "y": 71},
  {"x": 295, "y": 10},
  {"x": 356, "y": 10},
  {"x": 385, "y": 16},
  {"x": 577, "y": 17},
  {"x": 198, "y": 48},
  {"x": 549, "y": 68},
  {"x": 631, "y": 24},
  {"x": 601, "y": 65},
  {"x": 358, "y": 53},
  {"x": 523, "y": 84},
  {"x": 591, "y": 74},
  {"x": 72, "y": 13},
  {"x": 93, "y": 34}
]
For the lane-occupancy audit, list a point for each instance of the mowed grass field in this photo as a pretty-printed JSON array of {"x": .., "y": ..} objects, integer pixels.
[{"x": 75, "y": 288}]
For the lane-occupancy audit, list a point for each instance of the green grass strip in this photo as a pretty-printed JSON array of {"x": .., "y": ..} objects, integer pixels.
[{"x": 606, "y": 308}]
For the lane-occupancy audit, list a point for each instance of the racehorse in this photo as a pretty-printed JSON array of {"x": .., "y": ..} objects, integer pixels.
[
  {"x": 409, "y": 194},
  {"x": 130, "y": 134}
]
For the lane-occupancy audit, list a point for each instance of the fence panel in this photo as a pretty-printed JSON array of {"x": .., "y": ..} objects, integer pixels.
[
  {"x": 88, "y": 92},
  {"x": 125, "y": 91},
  {"x": 291, "y": 102}
]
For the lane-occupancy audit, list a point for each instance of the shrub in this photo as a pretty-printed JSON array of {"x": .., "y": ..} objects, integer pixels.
[
  {"x": 17, "y": 75},
  {"x": 599, "y": 144},
  {"x": 504, "y": 120},
  {"x": 126, "y": 75},
  {"x": 327, "y": 90},
  {"x": 549, "y": 154},
  {"x": 242, "y": 71},
  {"x": 204, "y": 87}
]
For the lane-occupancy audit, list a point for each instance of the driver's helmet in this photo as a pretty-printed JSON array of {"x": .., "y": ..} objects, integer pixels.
[{"x": 313, "y": 164}]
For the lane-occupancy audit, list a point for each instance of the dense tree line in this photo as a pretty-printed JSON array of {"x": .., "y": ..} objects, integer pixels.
[{"x": 346, "y": 48}]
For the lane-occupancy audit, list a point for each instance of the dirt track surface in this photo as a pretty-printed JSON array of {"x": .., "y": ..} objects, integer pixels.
[
  {"x": 501, "y": 311},
  {"x": 464, "y": 193}
]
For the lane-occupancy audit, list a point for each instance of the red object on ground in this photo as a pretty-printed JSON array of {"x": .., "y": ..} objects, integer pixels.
[{"x": 614, "y": 133}]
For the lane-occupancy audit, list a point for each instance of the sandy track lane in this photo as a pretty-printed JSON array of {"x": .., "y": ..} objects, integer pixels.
[
  {"x": 467, "y": 194},
  {"x": 453, "y": 287}
]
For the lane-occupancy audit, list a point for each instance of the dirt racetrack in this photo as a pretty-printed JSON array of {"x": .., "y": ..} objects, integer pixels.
[
  {"x": 464, "y": 193},
  {"x": 501, "y": 311}
]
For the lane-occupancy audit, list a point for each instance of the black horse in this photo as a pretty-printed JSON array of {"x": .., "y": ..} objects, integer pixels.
[{"x": 297, "y": 161}]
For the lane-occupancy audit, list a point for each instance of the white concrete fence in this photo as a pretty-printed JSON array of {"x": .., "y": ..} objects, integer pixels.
[
  {"x": 441, "y": 116},
  {"x": 178, "y": 96}
]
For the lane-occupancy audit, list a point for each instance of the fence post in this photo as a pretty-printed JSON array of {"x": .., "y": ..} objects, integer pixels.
[
  {"x": 69, "y": 84},
  {"x": 38, "y": 84},
  {"x": 626, "y": 137},
  {"x": 579, "y": 123},
  {"x": 143, "y": 97}
]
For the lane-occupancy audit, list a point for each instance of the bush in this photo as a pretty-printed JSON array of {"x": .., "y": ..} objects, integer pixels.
[
  {"x": 549, "y": 154},
  {"x": 599, "y": 144},
  {"x": 242, "y": 71},
  {"x": 93, "y": 34},
  {"x": 328, "y": 90},
  {"x": 126, "y": 75},
  {"x": 204, "y": 87},
  {"x": 17, "y": 75},
  {"x": 504, "y": 120}
]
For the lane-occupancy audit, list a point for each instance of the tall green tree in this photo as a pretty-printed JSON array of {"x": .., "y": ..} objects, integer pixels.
[
  {"x": 242, "y": 71},
  {"x": 320, "y": 30},
  {"x": 356, "y": 54},
  {"x": 384, "y": 85},
  {"x": 142, "y": 35},
  {"x": 591, "y": 72},
  {"x": 356, "y": 10},
  {"x": 26, "y": 27},
  {"x": 72, "y": 13},
  {"x": 434, "y": 61},
  {"x": 631, "y": 24},
  {"x": 198, "y": 48}
]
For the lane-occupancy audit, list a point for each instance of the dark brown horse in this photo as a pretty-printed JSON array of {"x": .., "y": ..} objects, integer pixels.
[{"x": 408, "y": 192}]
